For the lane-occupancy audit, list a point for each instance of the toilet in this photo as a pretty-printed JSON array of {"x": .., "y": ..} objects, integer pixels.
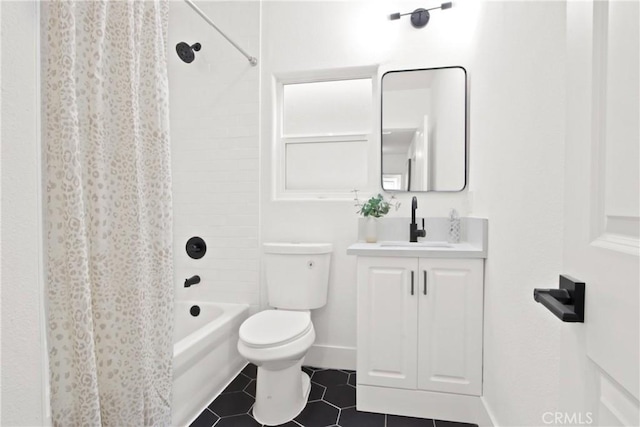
[{"x": 276, "y": 340}]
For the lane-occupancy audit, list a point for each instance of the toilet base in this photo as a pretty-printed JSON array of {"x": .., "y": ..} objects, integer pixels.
[{"x": 281, "y": 394}]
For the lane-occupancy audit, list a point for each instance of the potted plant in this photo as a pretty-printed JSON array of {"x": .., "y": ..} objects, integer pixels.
[{"x": 374, "y": 208}]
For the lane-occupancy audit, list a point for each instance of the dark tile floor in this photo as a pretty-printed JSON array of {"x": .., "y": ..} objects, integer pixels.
[{"x": 332, "y": 402}]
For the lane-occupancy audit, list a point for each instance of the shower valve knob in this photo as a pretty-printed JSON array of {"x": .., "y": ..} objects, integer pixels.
[{"x": 196, "y": 247}]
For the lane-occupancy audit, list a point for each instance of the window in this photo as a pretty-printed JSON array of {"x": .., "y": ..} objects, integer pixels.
[{"x": 324, "y": 138}]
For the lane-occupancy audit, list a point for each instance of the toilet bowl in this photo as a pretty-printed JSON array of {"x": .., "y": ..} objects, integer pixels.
[
  {"x": 276, "y": 341},
  {"x": 297, "y": 279}
]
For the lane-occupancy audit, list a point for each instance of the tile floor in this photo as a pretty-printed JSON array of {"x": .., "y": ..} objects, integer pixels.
[{"x": 331, "y": 402}]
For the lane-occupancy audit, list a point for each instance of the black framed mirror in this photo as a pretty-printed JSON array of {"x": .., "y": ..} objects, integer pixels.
[{"x": 424, "y": 129}]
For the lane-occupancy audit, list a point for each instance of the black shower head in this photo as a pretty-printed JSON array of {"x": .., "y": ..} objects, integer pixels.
[{"x": 186, "y": 52}]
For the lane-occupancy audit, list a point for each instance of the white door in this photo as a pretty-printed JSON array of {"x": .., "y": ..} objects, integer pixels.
[
  {"x": 387, "y": 321},
  {"x": 450, "y": 325},
  {"x": 600, "y": 358}
]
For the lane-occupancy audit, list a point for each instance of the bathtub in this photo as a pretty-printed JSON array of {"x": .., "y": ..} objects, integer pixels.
[{"x": 205, "y": 355}]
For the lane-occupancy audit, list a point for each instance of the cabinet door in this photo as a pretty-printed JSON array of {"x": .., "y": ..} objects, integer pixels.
[
  {"x": 387, "y": 321},
  {"x": 450, "y": 325}
]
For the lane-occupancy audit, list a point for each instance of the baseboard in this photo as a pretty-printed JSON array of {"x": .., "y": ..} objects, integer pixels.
[
  {"x": 331, "y": 357},
  {"x": 422, "y": 404},
  {"x": 490, "y": 415}
]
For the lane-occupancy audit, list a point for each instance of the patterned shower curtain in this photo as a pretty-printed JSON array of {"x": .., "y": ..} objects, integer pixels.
[{"x": 108, "y": 211}]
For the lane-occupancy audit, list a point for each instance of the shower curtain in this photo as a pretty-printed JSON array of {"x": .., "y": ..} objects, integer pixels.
[{"x": 108, "y": 211}]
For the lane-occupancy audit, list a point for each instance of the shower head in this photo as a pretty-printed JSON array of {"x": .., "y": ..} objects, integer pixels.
[{"x": 186, "y": 52}]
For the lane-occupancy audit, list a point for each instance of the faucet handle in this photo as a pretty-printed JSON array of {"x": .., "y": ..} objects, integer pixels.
[{"x": 423, "y": 232}]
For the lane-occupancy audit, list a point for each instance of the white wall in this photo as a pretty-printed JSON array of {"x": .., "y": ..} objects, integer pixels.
[
  {"x": 517, "y": 143},
  {"x": 514, "y": 53},
  {"x": 341, "y": 34},
  {"x": 23, "y": 370},
  {"x": 214, "y": 147}
]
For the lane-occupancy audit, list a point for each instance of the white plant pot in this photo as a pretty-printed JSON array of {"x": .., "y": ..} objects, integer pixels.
[{"x": 371, "y": 229}]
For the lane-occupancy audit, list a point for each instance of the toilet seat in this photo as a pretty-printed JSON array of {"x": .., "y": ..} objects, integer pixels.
[{"x": 271, "y": 328}]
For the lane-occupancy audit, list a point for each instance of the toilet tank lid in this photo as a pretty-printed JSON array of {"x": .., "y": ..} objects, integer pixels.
[{"x": 297, "y": 248}]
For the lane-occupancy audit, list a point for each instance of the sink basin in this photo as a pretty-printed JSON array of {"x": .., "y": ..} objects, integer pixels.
[{"x": 415, "y": 245}]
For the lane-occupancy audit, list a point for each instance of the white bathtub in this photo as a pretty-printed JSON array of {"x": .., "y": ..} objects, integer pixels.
[{"x": 205, "y": 355}]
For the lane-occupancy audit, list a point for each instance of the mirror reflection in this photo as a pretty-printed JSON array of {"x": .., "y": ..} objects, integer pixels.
[{"x": 424, "y": 130}]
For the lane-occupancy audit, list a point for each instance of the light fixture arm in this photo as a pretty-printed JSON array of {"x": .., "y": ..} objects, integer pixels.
[{"x": 433, "y": 8}]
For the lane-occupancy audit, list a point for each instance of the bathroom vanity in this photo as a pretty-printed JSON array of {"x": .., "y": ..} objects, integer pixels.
[{"x": 420, "y": 323}]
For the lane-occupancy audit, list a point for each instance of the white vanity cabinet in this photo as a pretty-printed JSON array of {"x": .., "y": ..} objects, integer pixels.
[
  {"x": 420, "y": 324},
  {"x": 420, "y": 321}
]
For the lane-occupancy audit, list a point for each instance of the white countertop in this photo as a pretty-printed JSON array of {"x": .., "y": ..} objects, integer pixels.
[{"x": 417, "y": 250}]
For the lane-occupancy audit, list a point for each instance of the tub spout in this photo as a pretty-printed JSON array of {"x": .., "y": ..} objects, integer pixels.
[{"x": 191, "y": 281}]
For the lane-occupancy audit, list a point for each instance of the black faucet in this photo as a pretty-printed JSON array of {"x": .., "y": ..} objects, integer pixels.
[{"x": 414, "y": 233}]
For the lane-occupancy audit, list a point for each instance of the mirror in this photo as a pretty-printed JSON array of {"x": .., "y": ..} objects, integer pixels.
[{"x": 424, "y": 129}]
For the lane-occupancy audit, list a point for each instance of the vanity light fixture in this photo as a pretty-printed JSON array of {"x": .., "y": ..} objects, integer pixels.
[{"x": 420, "y": 17}]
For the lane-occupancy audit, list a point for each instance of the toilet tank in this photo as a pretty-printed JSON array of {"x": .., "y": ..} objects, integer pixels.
[{"x": 297, "y": 274}]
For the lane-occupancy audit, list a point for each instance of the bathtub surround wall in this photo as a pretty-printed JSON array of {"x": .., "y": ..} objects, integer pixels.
[
  {"x": 516, "y": 105},
  {"x": 215, "y": 150},
  {"x": 108, "y": 212}
]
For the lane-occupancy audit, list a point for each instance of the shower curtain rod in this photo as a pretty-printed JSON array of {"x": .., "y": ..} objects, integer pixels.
[{"x": 252, "y": 60}]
